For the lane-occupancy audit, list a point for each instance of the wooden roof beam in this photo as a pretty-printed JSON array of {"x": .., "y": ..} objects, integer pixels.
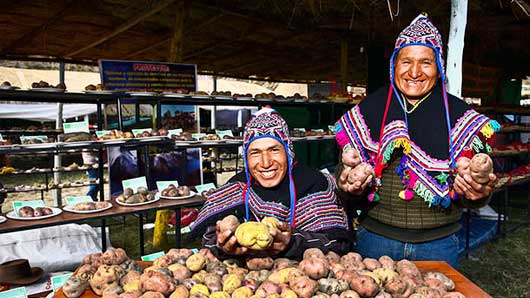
[
  {"x": 124, "y": 27},
  {"x": 35, "y": 30},
  {"x": 168, "y": 37}
]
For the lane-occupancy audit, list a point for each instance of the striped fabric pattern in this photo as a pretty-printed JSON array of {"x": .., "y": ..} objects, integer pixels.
[
  {"x": 315, "y": 212},
  {"x": 464, "y": 136}
]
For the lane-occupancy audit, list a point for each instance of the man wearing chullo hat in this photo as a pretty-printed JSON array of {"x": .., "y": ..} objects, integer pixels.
[
  {"x": 275, "y": 185},
  {"x": 406, "y": 156}
]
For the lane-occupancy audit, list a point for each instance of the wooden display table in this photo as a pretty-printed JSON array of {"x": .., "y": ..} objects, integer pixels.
[{"x": 463, "y": 285}]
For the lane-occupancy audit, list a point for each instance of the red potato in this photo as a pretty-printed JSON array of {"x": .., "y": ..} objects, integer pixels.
[
  {"x": 180, "y": 272},
  {"x": 349, "y": 294},
  {"x": 131, "y": 294},
  {"x": 387, "y": 262},
  {"x": 396, "y": 287},
  {"x": 93, "y": 259},
  {"x": 429, "y": 293},
  {"x": 163, "y": 261},
  {"x": 114, "y": 256},
  {"x": 434, "y": 283},
  {"x": 364, "y": 285},
  {"x": 229, "y": 223},
  {"x": 267, "y": 288},
  {"x": 407, "y": 267},
  {"x": 449, "y": 285},
  {"x": 454, "y": 295},
  {"x": 303, "y": 286},
  {"x": 42, "y": 211},
  {"x": 413, "y": 281},
  {"x": 282, "y": 263},
  {"x": 176, "y": 253},
  {"x": 313, "y": 253},
  {"x": 260, "y": 263},
  {"x": 336, "y": 267},
  {"x": 351, "y": 257},
  {"x": 480, "y": 167},
  {"x": 371, "y": 264},
  {"x": 295, "y": 273},
  {"x": 152, "y": 294},
  {"x": 383, "y": 294},
  {"x": 26, "y": 211},
  {"x": 314, "y": 267},
  {"x": 157, "y": 282},
  {"x": 354, "y": 266},
  {"x": 346, "y": 275},
  {"x": 332, "y": 257},
  {"x": 130, "y": 277}
]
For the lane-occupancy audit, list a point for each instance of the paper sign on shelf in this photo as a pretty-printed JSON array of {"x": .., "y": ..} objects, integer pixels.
[
  {"x": 74, "y": 200},
  {"x": 331, "y": 128},
  {"x": 195, "y": 250},
  {"x": 160, "y": 185},
  {"x": 317, "y": 130},
  {"x": 222, "y": 133},
  {"x": 27, "y": 138},
  {"x": 1, "y": 138},
  {"x": 153, "y": 256},
  {"x": 59, "y": 280},
  {"x": 299, "y": 129},
  {"x": 101, "y": 133},
  {"x": 71, "y": 127},
  {"x": 176, "y": 132},
  {"x": 140, "y": 131},
  {"x": 33, "y": 204},
  {"x": 203, "y": 187},
  {"x": 325, "y": 171},
  {"x": 14, "y": 293},
  {"x": 134, "y": 183},
  {"x": 198, "y": 135}
]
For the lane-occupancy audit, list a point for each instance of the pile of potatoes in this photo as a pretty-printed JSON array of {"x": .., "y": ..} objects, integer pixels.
[{"x": 182, "y": 274}]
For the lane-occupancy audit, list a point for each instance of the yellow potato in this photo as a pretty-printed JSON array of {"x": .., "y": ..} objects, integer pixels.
[
  {"x": 180, "y": 292},
  {"x": 280, "y": 276},
  {"x": 200, "y": 288},
  {"x": 242, "y": 292},
  {"x": 196, "y": 262},
  {"x": 253, "y": 235},
  {"x": 219, "y": 294},
  {"x": 231, "y": 283}
]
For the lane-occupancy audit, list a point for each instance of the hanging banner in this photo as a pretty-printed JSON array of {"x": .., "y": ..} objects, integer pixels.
[{"x": 122, "y": 75}]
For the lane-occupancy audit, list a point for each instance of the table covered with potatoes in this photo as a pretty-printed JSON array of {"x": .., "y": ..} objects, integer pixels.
[{"x": 181, "y": 273}]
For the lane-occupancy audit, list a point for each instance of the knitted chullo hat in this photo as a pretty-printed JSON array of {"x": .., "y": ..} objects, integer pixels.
[
  {"x": 267, "y": 123},
  {"x": 421, "y": 31}
]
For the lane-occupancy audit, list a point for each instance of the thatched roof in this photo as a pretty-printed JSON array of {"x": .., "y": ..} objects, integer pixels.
[{"x": 278, "y": 39}]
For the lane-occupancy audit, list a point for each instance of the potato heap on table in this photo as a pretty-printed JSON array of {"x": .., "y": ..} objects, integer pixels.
[{"x": 182, "y": 274}]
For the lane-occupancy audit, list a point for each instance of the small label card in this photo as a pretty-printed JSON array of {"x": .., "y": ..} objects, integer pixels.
[
  {"x": 74, "y": 200},
  {"x": 1, "y": 138},
  {"x": 139, "y": 131},
  {"x": 203, "y": 187},
  {"x": 331, "y": 128},
  {"x": 58, "y": 281},
  {"x": 24, "y": 139},
  {"x": 195, "y": 250},
  {"x": 76, "y": 127},
  {"x": 317, "y": 130},
  {"x": 153, "y": 256},
  {"x": 134, "y": 183},
  {"x": 325, "y": 171},
  {"x": 174, "y": 132},
  {"x": 33, "y": 204},
  {"x": 160, "y": 185},
  {"x": 299, "y": 129},
  {"x": 198, "y": 135},
  {"x": 14, "y": 293},
  {"x": 222, "y": 133},
  {"x": 101, "y": 133}
]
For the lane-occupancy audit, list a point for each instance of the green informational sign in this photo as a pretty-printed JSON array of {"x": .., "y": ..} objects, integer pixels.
[
  {"x": 317, "y": 130},
  {"x": 222, "y": 133},
  {"x": 134, "y": 183},
  {"x": 24, "y": 139},
  {"x": 72, "y": 127},
  {"x": 203, "y": 187},
  {"x": 331, "y": 128},
  {"x": 195, "y": 250},
  {"x": 14, "y": 293},
  {"x": 299, "y": 129},
  {"x": 174, "y": 132},
  {"x": 153, "y": 256},
  {"x": 59, "y": 280},
  {"x": 198, "y": 135},
  {"x": 101, "y": 133},
  {"x": 137, "y": 131},
  {"x": 160, "y": 185},
  {"x": 74, "y": 200},
  {"x": 33, "y": 204}
]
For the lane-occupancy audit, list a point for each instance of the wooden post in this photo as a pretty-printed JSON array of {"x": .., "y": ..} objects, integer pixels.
[
  {"x": 175, "y": 46},
  {"x": 175, "y": 55},
  {"x": 343, "y": 64},
  {"x": 455, "y": 46}
]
